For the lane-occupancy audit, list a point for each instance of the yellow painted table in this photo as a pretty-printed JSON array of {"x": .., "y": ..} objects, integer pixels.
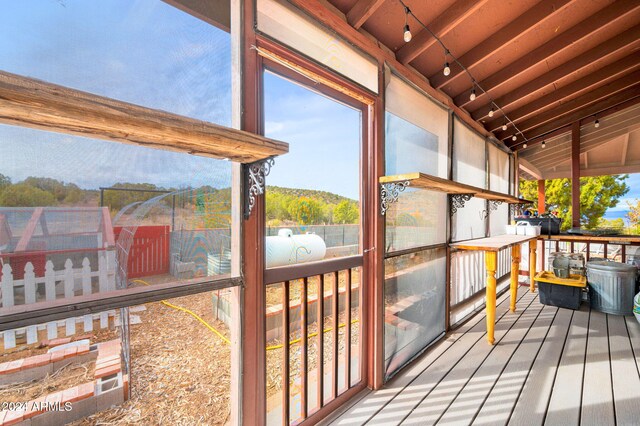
[{"x": 491, "y": 246}]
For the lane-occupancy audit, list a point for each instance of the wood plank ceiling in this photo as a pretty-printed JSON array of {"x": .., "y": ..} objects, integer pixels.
[{"x": 545, "y": 63}]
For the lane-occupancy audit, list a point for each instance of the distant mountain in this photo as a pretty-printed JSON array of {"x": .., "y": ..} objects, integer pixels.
[{"x": 324, "y": 196}]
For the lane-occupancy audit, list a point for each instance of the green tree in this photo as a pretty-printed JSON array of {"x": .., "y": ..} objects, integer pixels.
[
  {"x": 116, "y": 200},
  {"x": 306, "y": 211},
  {"x": 597, "y": 194},
  {"x": 617, "y": 224},
  {"x": 346, "y": 212},
  {"x": 24, "y": 195},
  {"x": 277, "y": 206},
  {"x": 5, "y": 181}
]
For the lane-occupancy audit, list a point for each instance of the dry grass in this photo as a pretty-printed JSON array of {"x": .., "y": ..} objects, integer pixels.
[
  {"x": 68, "y": 376},
  {"x": 180, "y": 372}
]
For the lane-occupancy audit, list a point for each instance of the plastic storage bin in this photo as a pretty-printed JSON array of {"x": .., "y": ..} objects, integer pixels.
[
  {"x": 550, "y": 225},
  {"x": 612, "y": 286},
  {"x": 560, "y": 292}
]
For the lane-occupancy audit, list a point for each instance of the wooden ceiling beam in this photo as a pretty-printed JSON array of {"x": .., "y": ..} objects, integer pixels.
[
  {"x": 216, "y": 13},
  {"x": 330, "y": 19},
  {"x": 529, "y": 168},
  {"x": 628, "y": 41},
  {"x": 622, "y": 100},
  {"x": 441, "y": 25},
  {"x": 625, "y": 147},
  {"x": 606, "y": 18},
  {"x": 590, "y": 81},
  {"x": 533, "y": 139},
  {"x": 32, "y": 103},
  {"x": 628, "y": 81},
  {"x": 520, "y": 26},
  {"x": 555, "y": 151},
  {"x": 597, "y": 171},
  {"x": 361, "y": 11}
]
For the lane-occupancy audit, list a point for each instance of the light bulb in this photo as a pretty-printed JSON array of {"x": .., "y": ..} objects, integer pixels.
[
  {"x": 504, "y": 126},
  {"x": 491, "y": 112},
  {"x": 407, "y": 33},
  {"x": 597, "y": 123},
  {"x": 446, "y": 70},
  {"x": 543, "y": 144},
  {"x": 472, "y": 96},
  {"x": 514, "y": 137},
  {"x": 524, "y": 145}
]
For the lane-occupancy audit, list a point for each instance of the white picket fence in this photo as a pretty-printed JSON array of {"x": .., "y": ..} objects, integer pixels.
[{"x": 66, "y": 283}]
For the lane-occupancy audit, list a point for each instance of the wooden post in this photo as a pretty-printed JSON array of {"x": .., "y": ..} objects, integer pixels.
[
  {"x": 491, "y": 262},
  {"x": 575, "y": 174},
  {"x": 515, "y": 269},
  {"x": 252, "y": 366},
  {"x": 542, "y": 208},
  {"x": 374, "y": 224}
]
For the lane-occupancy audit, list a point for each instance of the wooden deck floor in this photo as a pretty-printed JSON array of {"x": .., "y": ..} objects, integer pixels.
[{"x": 549, "y": 366}]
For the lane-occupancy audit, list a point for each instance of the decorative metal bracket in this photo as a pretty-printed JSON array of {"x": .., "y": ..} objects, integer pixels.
[
  {"x": 493, "y": 204},
  {"x": 457, "y": 201},
  {"x": 389, "y": 193},
  {"x": 513, "y": 209},
  {"x": 254, "y": 182}
]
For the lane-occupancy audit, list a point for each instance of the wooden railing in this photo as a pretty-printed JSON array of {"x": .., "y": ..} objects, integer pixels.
[
  {"x": 616, "y": 248},
  {"x": 314, "y": 332}
]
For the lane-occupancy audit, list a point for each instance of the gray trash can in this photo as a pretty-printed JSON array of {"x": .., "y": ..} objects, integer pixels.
[{"x": 611, "y": 286}]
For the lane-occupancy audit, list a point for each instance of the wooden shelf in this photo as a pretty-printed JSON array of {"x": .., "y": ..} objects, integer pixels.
[
  {"x": 33, "y": 103},
  {"x": 433, "y": 183}
]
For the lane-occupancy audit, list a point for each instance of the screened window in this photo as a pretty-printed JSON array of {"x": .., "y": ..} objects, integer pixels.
[
  {"x": 313, "y": 195},
  {"x": 469, "y": 167},
  {"x": 499, "y": 173},
  {"x": 81, "y": 218}
]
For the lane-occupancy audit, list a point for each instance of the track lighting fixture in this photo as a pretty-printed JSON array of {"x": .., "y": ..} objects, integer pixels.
[
  {"x": 597, "y": 123},
  {"x": 446, "y": 70},
  {"x": 543, "y": 144},
  {"x": 407, "y": 30}
]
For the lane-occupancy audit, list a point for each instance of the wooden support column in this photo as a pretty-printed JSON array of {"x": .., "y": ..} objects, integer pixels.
[
  {"x": 374, "y": 223},
  {"x": 541, "y": 202},
  {"x": 575, "y": 174},
  {"x": 515, "y": 269},
  {"x": 491, "y": 263},
  {"x": 253, "y": 368}
]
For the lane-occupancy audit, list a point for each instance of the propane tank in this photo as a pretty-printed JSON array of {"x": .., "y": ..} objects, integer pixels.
[{"x": 289, "y": 249}]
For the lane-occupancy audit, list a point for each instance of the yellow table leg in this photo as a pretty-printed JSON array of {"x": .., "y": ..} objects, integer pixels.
[
  {"x": 491, "y": 261},
  {"x": 515, "y": 270},
  {"x": 532, "y": 264}
]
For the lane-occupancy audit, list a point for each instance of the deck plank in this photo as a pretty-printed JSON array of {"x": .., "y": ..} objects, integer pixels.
[
  {"x": 412, "y": 395},
  {"x": 584, "y": 370},
  {"x": 475, "y": 369},
  {"x": 504, "y": 395},
  {"x": 368, "y": 406},
  {"x": 633, "y": 328},
  {"x": 534, "y": 398},
  {"x": 597, "y": 395},
  {"x": 564, "y": 405},
  {"x": 624, "y": 373}
]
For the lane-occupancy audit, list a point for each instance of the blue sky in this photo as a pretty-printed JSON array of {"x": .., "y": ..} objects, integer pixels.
[{"x": 324, "y": 138}]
